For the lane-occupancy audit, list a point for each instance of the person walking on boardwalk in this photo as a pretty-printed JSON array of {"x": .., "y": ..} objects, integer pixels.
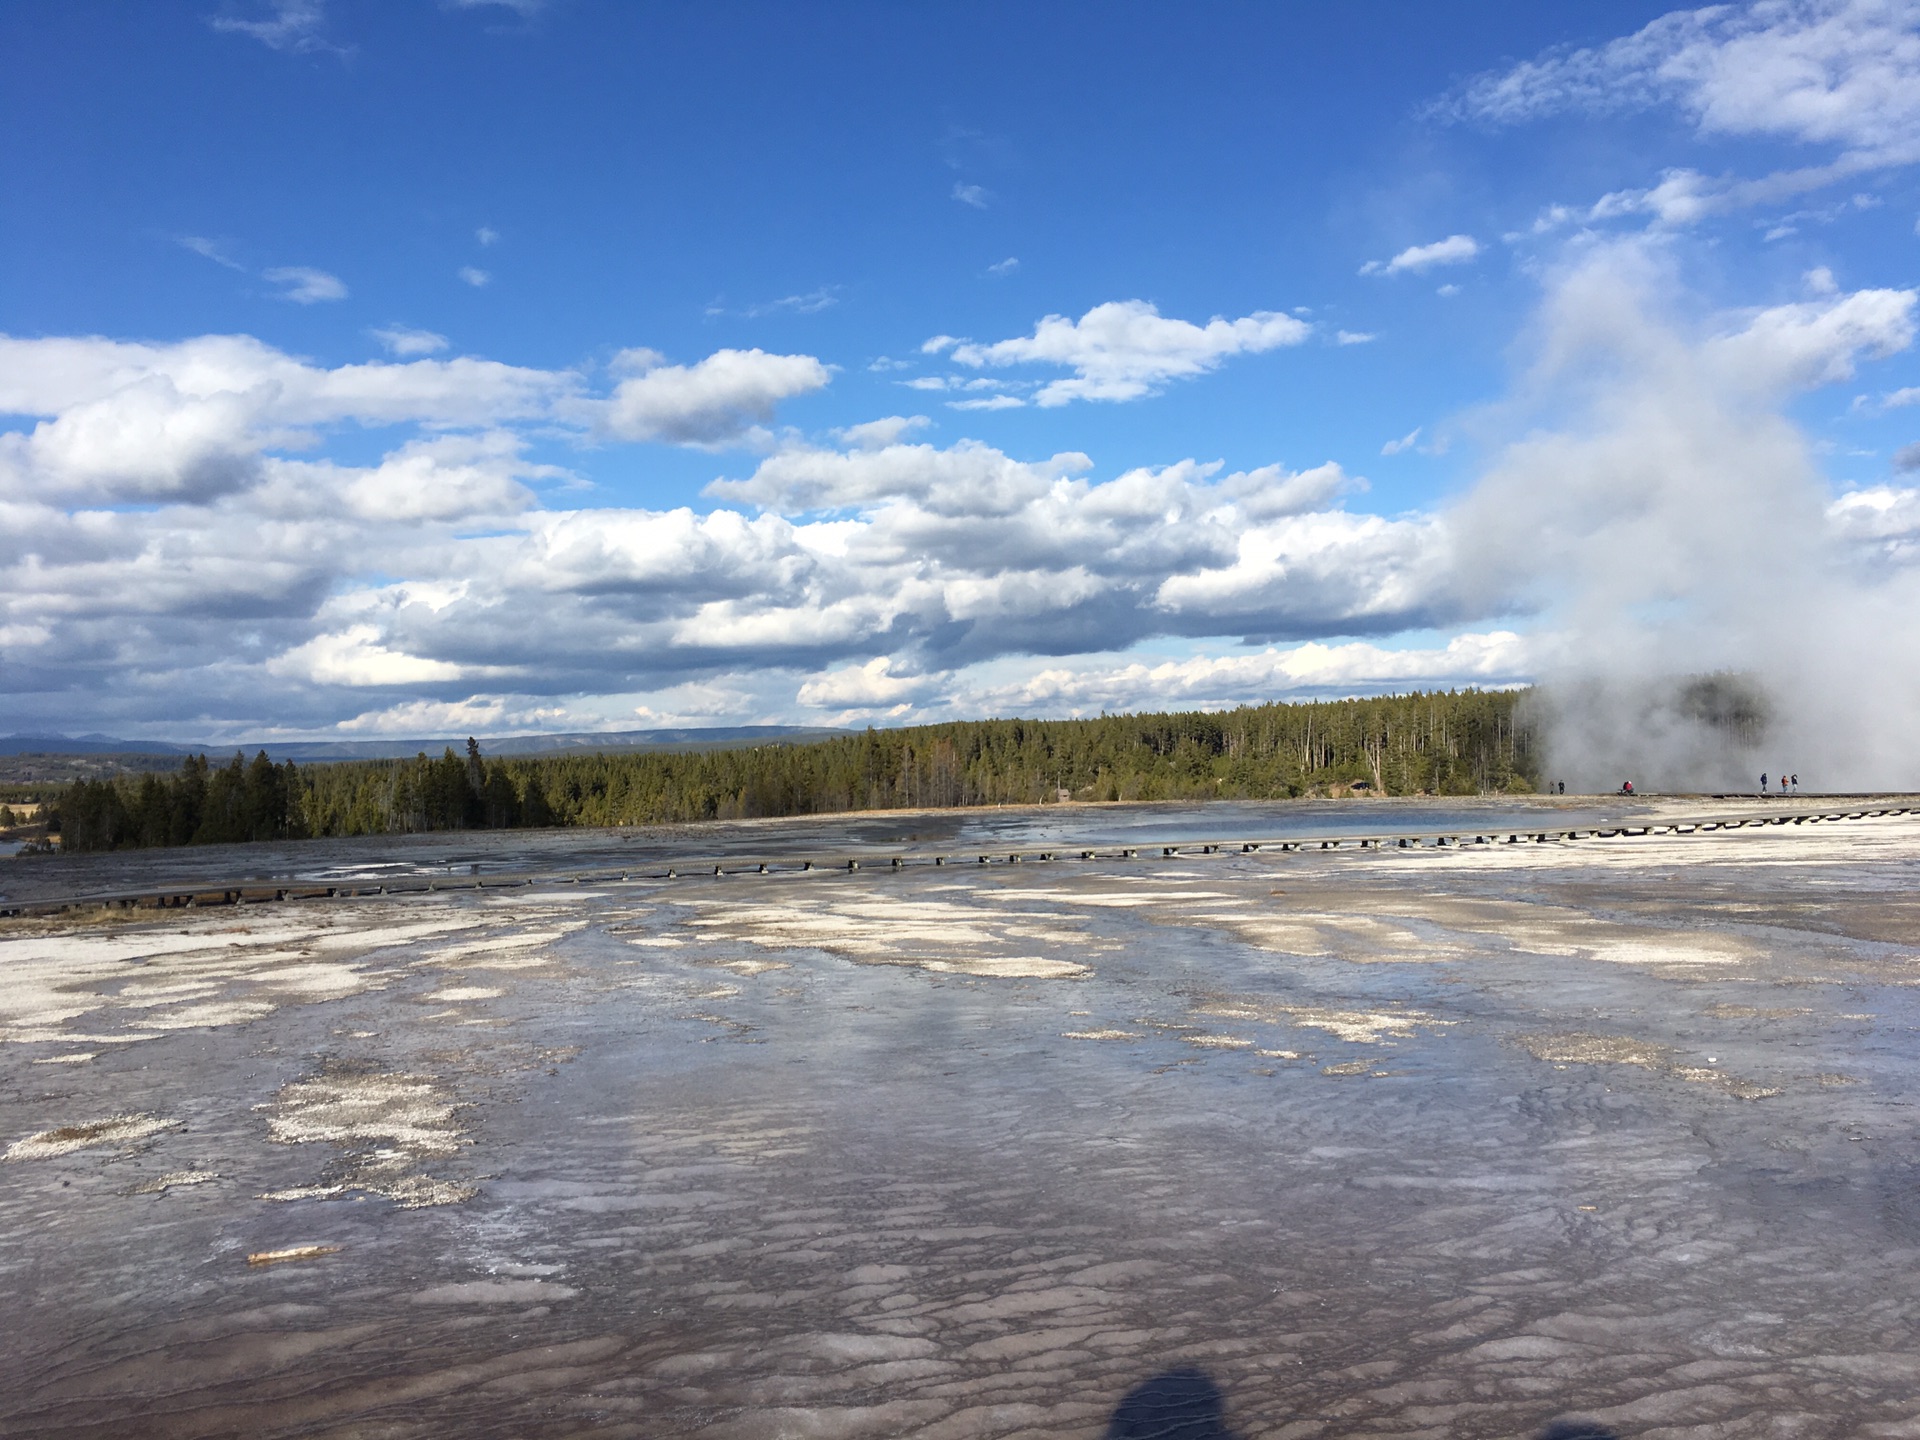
[{"x": 1763, "y": 782}]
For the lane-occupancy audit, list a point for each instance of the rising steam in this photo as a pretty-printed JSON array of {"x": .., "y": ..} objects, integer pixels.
[{"x": 1652, "y": 501}]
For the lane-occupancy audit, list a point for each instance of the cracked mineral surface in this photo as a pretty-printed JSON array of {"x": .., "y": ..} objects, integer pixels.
[{"x": 1389, "y": 1142}]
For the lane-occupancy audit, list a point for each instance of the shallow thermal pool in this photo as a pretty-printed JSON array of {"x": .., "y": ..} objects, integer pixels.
[{"x": 1386, "y": 1143}]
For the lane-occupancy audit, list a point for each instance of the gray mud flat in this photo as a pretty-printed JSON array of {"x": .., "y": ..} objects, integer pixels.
[{"x": 1436, "y": 1142}]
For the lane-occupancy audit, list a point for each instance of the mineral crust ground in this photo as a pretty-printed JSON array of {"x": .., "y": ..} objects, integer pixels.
[{"x": 1435, "y": 1141}]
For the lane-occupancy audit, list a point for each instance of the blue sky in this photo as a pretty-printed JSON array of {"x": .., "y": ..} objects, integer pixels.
[{"x": 418, "y": 366}]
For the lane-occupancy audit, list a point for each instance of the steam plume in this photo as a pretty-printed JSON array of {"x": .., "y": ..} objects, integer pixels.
[{"x": 1654, "y": 502}]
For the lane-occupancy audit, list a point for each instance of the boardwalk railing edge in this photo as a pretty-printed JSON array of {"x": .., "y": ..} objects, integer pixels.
[{"x": 207, "y": 894}]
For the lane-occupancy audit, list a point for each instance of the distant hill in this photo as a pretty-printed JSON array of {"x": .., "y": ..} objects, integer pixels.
[
  {"x": 87, "y": 745},
  {"x": 584, "y": 742}
]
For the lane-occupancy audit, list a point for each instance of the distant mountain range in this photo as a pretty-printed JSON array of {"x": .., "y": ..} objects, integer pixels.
[{"x": 584, "y": 742}]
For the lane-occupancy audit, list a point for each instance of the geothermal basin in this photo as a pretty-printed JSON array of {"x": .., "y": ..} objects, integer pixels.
[{"x": 1455, "y": 1140}]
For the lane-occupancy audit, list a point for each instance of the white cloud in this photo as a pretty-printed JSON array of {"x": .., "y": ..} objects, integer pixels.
[
  {"x": 1448, "y": 290},
  {"x": 1405, "y": 442},
  {"x": 1123, "y": 350},
  {"x": 967, "y": 478},
  {"x": 1331, "y": 568},
  {"x": 356, "y": 657},
  {"x": 213, "y": 250},
  {"x": 1881, "y": 521},
  {"x": 444, "y": 477},
  {"x": 1354, "y": 337},
  {"x": 274, "y": 596},
  {"x": 476, "y": 715},
  {"x": 1004, "y": 267},
  {"x": 1844, "y": 74},
  {"x": 406, "y": 342},
  {"x": 291, "y": 25},
  {"x": 977, "y": 196},
  {"x": 1454, "y": 250},
  {"x": 486, "y": 235},
  {"x": 1817, "y": 342},
  {"x": 1878, "y": 511},
  {"x": 475, "y": 276},
  {"x": 878, "y": 434},
  {"x": 810, "y": 303},
  {"x": 119, "y": 421},
  {"x": 305, "y": 285},
  {"x": 1897, "y": 399},
  {"x": 188, "y": 539},
  {"x": 526, "y": 9},
  {"x": 1493, "y": 658},
  {"x": 711, "y": 403},
  {"x": 988, "y": 402},
  {"x": 866, "y": 687}
]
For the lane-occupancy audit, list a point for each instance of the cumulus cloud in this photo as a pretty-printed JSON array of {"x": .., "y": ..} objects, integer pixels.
[
  {"x": 476, "y": 715},
  {"x": 260, "y": 583},
  {"x": 356, "y": 657},
  {"x": 1126, "y": 349},
  {"x": 1405, "y": 442},
  {"x": 709, "y": 403},
  {"x": 406, "y": 342},
  {"x": 1454, "y": 250},
  {"x": 978, "y": 196},
  {"x": 118, "y": 421},
  {"x": 445, "y": 477},
  {"x": 1879, "y": 513},
  {"x": 1816, "y": 342},
  {"x": 1489, "y": 659},
  {"x": 476, "y": 277},
  {"x": 967, "y": 477},
  {"x": 878, "y": 434},
  {"x": 304, "y": 285},
  {"x": 1004, "y": 267},
  {"x": 180, "y": 537},
  {"x": 868, "y": 687},
  {"x": 53, "y": 375}
]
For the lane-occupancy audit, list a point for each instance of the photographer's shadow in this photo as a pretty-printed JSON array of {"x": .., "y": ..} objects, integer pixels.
[
  {"x": 1178, "y": 1405},
  {"x": 1185, "y": 1404}
]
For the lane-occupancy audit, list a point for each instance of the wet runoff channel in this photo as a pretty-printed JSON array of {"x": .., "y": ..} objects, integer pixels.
[
  {"x": 831, "y": 842},
  {"x": 1426, "y": 1142}
]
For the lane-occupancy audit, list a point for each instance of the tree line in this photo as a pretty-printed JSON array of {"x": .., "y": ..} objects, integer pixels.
[{"x": 1441, "y": 742}]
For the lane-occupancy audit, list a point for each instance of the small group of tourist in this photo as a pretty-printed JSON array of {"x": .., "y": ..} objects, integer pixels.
[{"x": 1789, "y": 784}]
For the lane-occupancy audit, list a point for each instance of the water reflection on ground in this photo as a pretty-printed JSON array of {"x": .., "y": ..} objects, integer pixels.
[
  {"x": 824, "y": 839},
  {"x": 1540, "y": 1140}
]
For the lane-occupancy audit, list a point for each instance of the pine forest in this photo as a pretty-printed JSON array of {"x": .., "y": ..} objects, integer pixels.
[{"x": 1449, "y": 743}]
